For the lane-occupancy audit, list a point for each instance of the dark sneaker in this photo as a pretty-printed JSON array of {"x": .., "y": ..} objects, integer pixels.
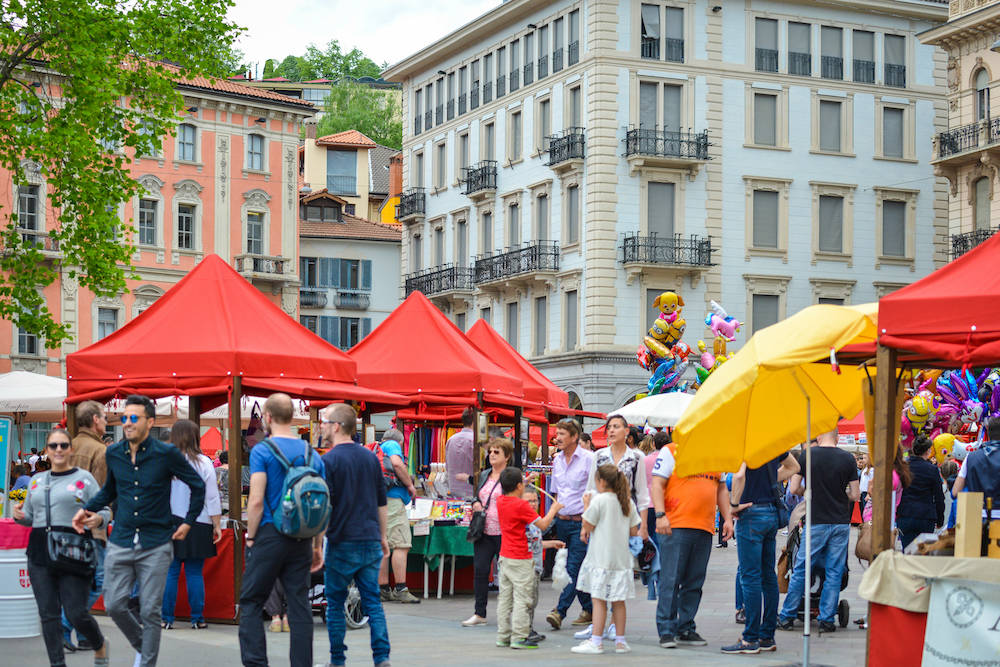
[
  {"x": 668, "y": 641},
  {"x": 742, "y": 647},
  {"x": 536, "y": 636},
  {"x": 84, "y": 645},
  {"x": 555, "y": 619},
  {"x": 767, "y": 645},
  {"x": 526, "y": 643},
  {"x": 827, "y": 626},
  {"x": 741, "y": 616},
  {"x": 68, "y": 646},
  {"x": 786, "y": 624},
  {"x": 691, "y": 638}
]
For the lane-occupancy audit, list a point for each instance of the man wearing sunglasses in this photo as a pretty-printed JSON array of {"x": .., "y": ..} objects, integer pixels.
[{"x": 139, "y": 470}]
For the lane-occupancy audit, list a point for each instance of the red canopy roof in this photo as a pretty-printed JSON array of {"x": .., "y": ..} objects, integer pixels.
[
  {"x": 209, "y": 327},
  {"x": 419, "y": 351},
  {"x": 537, "y": 387},
  {"x": 951, "y": 317}
]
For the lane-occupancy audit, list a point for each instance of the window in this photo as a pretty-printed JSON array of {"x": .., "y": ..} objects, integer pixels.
[
  {"x": 451, "y": 95},
  {"x": 27, "y": 343},
  {"x": 765, "y": 119},
  {"x": 440, "y": 166},
  {"x": 255, "y": 233},
  {"x": 309, "y": 322},
  {"x": 571, "y": 321},
  {"x": 674, "y": 42},
  {"x": 486, "y": 238},
  {"x": 766, "y": 43},
  {"x": 829, "y": 126},
  {"x": 28, "y": 206},
  {"x": 147, "y": 221},
  {"x": 765, "y": 219},
  {"x": 573, "y": 51},
  {"x": 650, "y": 19},
  {"x": 660, "y": 210},
  {"x": 543, "y": 51},
  {"x": 542, "y": 217},
  {"x": 515, "y": 65},
  {"x": 529, "y": 55},
  {"x": 892, "y": 132},
  {"x": 352, "y": 330},
  {"x": 342, "y": 172},
  {"x": 460, "y": 321},
  {"x": 514, "y": 225},
  {"x": 895, "y": 61},
  {"x": 765, "y": 311},
  {"x": 439, "y": 116},
  {"x": 307, "y": 271},
  {"x": 417, "y": 252},
  {"x": 512, "y": 324},
  {"x": 540, "y": 329},
  {"x": 438, "y": 246},
  {"x": 982, "y": 95},
  {"x": 982, "y": 211},
  {"x": 659, "y": 107},
  {"x": 474, "y": 85},
  {"x": 185, "y": 226},
  {"x": 573, "y": 214},
  {"x": 799, "y": 51},
  {"x": 557, "y": 45},
  {"x": 830, "y": 301},
  {"x": 255, "y": 152},
  {"x": 329, "y": 329},
  {"x": 501, "y": 71},
  {"x": 893, "y": 228},
  {"x": 417, "y": 124},
  {"x": 831, "y": 224},
  {"x": 355, "y": 274},
  {"x": 864, "y": 56},
  {"x": 461, "y": 243},
  {"x": 831, "y": 52},
  {"x": 349, "y": 209},
  {"x": 514, "y": 137},
  {"x": 463, "y": 152},
  {"x": 107, "y": 322},
  {"x": 418, "y": 170},
  {"x": 462, "y": 74},
  {"x": 186, "y": 142},
  {"x": 543, "y": 125},
  {"x": 575, "y": 107},
  {"x": 486, "y": 314},
  {"x": 488, "y": 149},
  {"x": 322, "y": 212}
]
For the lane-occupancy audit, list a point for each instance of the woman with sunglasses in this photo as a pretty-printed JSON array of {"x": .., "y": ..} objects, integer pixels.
[
  {"x": 487, "y": 547},
  {"x": 67, "y": 488}
]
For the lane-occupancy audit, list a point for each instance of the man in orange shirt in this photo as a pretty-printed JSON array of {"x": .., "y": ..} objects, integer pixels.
[{"x": 685, "y": 521}]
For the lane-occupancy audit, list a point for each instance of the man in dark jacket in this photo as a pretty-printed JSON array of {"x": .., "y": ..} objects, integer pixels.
[
  {"x": 921, "y": 509},
  {"x": 981, "y": 469}
]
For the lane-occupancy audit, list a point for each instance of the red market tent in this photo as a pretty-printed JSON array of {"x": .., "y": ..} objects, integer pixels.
[
  {"x": 537, "y": 387},
  {"x": 950, "y": 318}
]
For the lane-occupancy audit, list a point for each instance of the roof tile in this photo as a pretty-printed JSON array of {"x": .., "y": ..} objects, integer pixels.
[
  {"x": 352, "y": 227},
  {"x": 348, "y": 139}
]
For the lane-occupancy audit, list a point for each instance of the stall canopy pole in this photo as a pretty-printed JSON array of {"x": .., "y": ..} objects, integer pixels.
[
  {"x": 235, "y": 481},
  {"x": 545, "y": 440},
  {"x": 194, "y": 411},
  {"x": 883, "y": 450},
  {"x": 71, "y": 419},
  {"x": 518, "y": 450},
  {"x": 476, "y": 445}
]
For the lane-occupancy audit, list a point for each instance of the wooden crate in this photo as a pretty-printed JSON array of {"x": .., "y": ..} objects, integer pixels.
[{"x": 969, "y": 525}]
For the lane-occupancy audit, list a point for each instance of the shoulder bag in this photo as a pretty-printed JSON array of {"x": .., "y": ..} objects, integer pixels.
[
  {"x": 69, "y": 551},
  {"x": 477, "y": 524}
]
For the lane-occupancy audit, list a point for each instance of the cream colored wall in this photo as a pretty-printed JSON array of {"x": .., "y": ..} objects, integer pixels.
[{"x": 315, "y": 176}]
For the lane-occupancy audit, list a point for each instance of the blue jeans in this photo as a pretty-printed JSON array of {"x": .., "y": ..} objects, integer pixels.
[
  {"x": 195, "y": 589},
  {"x": 683, "y": 563},
  {"x": 829, "y": 551},
  {"x": 359, "y": 561},
  {"x": 755, "y": 536},
  {"x": 576, "y": 550},
  {"x": 95, "y": 591},
  {"x": 911, "y": 527}
]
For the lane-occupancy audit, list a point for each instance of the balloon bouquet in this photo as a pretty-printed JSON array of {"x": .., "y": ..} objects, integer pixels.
[
  {"x": 666, "y": 356},
  {"x": 949, "y": 408}
]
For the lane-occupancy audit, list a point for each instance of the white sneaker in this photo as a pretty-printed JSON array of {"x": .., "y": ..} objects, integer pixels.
[
  {"x": 586, "y": 633},
  {"x": 473, "y": 620},
  {"x": 622, "y": 647},
  {"x": 610, "y": 632},
  {"x": 588, "y": 647}
]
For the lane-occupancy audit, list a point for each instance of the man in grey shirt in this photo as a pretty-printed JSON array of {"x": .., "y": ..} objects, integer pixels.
[{"x": 458, "y": 457}]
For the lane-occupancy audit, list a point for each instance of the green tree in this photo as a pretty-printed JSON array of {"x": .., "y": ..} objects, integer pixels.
[
  {"x": 84, "y": 85},
  {"x": 269, "y": 66},
  {"x": 374, "y": 113},
  {"x": 295, "y": 68}
]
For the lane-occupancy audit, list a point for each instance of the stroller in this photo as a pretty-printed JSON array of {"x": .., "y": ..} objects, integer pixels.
[
  {"x": 818, "y": 578},
  {"x": 353, "y": 614}
]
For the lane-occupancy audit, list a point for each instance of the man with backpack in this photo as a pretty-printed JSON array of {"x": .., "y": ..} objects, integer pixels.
[
  {"x": 287, "y": 512},
  {"x": 356, "y": 537},
  {"x": 399, "y": 491}
]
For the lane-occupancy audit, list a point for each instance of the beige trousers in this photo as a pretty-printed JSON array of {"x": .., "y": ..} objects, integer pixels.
[{"x": 517, "y": 584}]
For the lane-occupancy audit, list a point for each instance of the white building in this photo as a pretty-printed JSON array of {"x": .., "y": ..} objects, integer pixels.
[{"x": 564, "y": 162}]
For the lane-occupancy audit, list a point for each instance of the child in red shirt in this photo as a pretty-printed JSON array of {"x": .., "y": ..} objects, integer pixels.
[{"x": 517, "y": 570}]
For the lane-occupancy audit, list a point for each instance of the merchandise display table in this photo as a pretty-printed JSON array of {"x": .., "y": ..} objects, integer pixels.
[{"x": 442, "y": 541}]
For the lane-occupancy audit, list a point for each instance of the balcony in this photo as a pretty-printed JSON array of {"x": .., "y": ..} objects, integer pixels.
[
  {"x": 412, "y": 205},
  {"x": 439, "y": 114},
  {"x": 417, "y": 125},
  {"x": 573, "y": 53},
  {"x": 529, "y": 73},
  {"x": 352, "y": 300},
  {"x": 264, "y": 268},
  {"x": 543, "y": 66},
  {"x": 514, "y": 80},
  {"x": 474, "y": 97},
  {"x": 766, "y": 60},
  {"x": 557, "y": 60},
  {"x": 342, "y": 185},
  {"x": 658, "y": 148},
  {"x": 428, "y": 120},
  {"x": 895, "y": 75},
  {"x": 443, "y": 280},
  {"x": 832, "y": 67},
  {"x": 864, "y": 71},
  {"x": 487, "y": 92},
  {"x": 674, "y": 51},
  {"x": 501, "y": 86},
  {"x": 312, "y": 298},
  {"x": 451, "y": 109},
  {"x": 963, "y": 243},
  {"x": 650, "y": 48},
  {"x": 461, "y": 104},
  {"x": 800, "y": 64},
  {"x": 566, "y": 149},
  {"x": 665, "y": 256},
  {"x": 48, "y": 246},
  {"x": 480, "y": 180},
  {"x": 538, "y": 259}
]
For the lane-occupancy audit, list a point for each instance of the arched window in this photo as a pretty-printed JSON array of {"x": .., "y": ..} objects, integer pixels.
[
  {"x": 982, "y": 95},
  {"x": 982, "y": 206}
]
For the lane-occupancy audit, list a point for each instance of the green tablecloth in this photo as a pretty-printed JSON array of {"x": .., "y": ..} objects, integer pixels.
[{"x": 447, "y": 540}]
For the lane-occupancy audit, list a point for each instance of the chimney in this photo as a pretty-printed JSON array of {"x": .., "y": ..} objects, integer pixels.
[
  {"x": 313, "y": 158},
  {"x": 396, "y": 175}
]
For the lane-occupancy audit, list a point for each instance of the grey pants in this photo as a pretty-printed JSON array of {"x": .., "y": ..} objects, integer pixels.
[{"x": 148, "y": 567}]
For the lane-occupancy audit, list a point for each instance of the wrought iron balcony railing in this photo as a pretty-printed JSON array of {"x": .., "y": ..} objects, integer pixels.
[
  {"x": 566, "y": 145},
  {"x": 831, "y": 67},
  {"x": 261, "y": 264},
  {"x": 514, "y": 80},
  {"x": 487, "y": 92},
  {"x": 39, "y": 239},
  {"x": 446, "y": 278},
  {"x": 963, "y": 243},
  {"x": 557, "y": 60},
  {"x": 353, "y": 300},
  {"x": 439, "y": 114},
  {"x": 895, "y": 75},
  {"x": 529, "y": 258},
  {"x": 864, "y": 71},
  {"x": 411, "y": 202},
  {"x": 479, "y": 177},
  {"x": 341, "y": 185},
  {"x": 766, "y": 60},
  {"x": 451, "y": 109},
  {"x": 800, "y": 63},
  {"x": 501, "y": 86},
  {"x": 676, "y": 250},
  {"x": 650, "y": 48},
  {"x": 959, "y": 140},
  {"x": 474, "y": 98},
  {"x": 529, "y": 73},
  {"x": 312, "y": 298},
  {"x": 573, "y": 53},
  {"x": 461, "y": 104},
  {"x": 543, "y": 66},
  {"x": 674, "y": 51},
  {"x": 428, "y": 120},
  {"x": 417, "y": 125},
  {"x": 658, "y": 143}
]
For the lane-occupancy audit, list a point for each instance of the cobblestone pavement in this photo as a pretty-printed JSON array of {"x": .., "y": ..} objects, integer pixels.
[{"x": 430, "y": 634}]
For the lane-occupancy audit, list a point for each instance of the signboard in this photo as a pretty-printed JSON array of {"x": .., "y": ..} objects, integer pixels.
[
  {"x": 963, "y": 624},
  {"x": 846, "y": 439},
  {"x": 6, "y": 444}
]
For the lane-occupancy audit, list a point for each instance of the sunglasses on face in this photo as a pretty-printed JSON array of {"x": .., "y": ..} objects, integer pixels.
[
  {"x": 58, "y": 445},
  {"x": 131, "y": 418}
]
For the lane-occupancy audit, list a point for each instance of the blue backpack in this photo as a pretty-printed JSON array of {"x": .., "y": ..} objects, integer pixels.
[{"x": 304, "y": 506}]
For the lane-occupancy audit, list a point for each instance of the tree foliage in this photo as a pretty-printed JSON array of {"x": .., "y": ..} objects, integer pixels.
[
  {"x": 327, "y": 63},
  {"x": 354, "y": 106},
  {"x": 84, "y": 86}
]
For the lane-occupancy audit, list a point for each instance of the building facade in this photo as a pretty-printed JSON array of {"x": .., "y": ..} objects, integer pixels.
[
  {"x": 564, "y": 162},
  {"x": 967, "y": 152},
  {"x": 225, "y": 184}
]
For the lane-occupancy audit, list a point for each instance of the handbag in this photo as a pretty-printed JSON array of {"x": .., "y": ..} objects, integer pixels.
[
  {"x": 477, "y": 524},
  {"x": 863, "y": 547},
  {"x": 69, "y": 551}
]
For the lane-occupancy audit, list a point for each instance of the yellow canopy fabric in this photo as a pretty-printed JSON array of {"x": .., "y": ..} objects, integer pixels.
[{"x": 752, "y": 407}]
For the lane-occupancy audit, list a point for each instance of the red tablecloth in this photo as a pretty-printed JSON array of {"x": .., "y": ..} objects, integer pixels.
[
  {"x": 13, "y": 535},
  {"x": 895, "y": 636}
]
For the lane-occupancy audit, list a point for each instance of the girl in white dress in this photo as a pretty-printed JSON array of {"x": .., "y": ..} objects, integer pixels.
[{"x": 606, "y": 572}]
